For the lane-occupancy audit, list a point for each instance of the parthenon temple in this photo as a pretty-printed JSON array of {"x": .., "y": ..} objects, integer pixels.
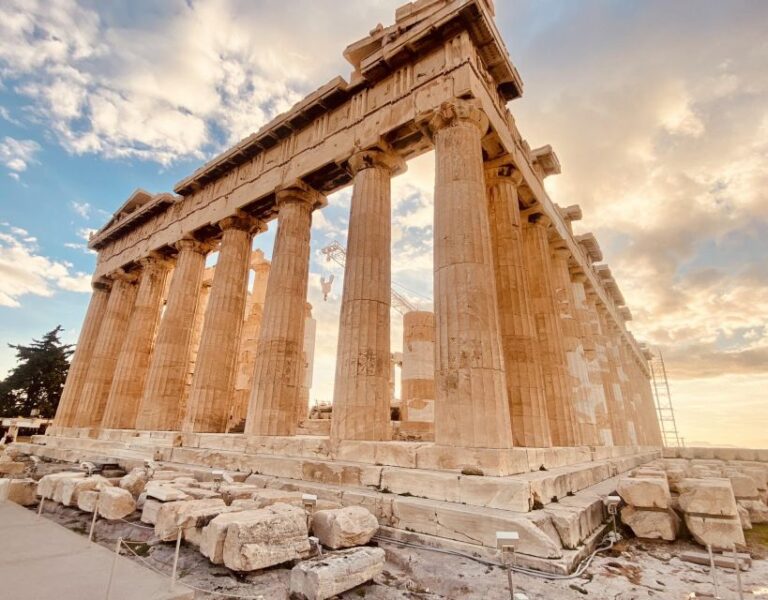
[{"x": 525, "y": 365}]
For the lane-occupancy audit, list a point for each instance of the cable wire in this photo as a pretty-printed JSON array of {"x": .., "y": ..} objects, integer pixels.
[{"x": 523, "y": 570}]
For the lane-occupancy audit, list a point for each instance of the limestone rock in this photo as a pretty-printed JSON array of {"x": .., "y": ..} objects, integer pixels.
[
  {"x": 173, "y": 515},
  {"x": 651, "y": 524},
  {"x": 20, "y": 491},
  {"x": 268, "y": 536},
  {"x": 759, "y": 475},
  {"x": 135, "y": 481},
  {"x": 333, "y": 574},
  {"x": 719, "y": 532},
  {"x": 214, "y": 534},
  {"x": 758, "y": 511},
  {"x": 743, "y": 486},
  {"x": 645, "y": 492},
  {"x": 87, "y": 500},
  {"x": 12, "y": 468},
  {"x": 150, "y": 510},
  {"x": 746, "y": 522},
  {"x": 344, "y": 527},
  {"x": 164, "y": 492},
  {"x": 71, "y": 487},
  {"x": 48, "y": 484},
  {"x": 707, "y": 497},
  {"x": 116, "y": 503}
]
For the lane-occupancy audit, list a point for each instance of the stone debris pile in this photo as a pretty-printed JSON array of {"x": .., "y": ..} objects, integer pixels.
[
  {"x": 712, "y": 499},
  {"x": 240, "y": 525}
]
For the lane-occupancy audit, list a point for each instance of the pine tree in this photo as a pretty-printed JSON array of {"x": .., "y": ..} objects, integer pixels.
[{"x": 38, "y": 379}]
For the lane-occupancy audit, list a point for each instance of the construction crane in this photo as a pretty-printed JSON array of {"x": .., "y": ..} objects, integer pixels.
[
  {"x": 663, "y": 398},
  {"x": 335, "y": 252}
]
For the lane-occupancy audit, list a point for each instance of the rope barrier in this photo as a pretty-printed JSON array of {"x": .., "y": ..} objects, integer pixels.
[{"x": 198, "y": 589}]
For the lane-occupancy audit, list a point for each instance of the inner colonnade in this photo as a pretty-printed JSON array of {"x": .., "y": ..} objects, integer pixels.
[{"x": 527, "y": 345}]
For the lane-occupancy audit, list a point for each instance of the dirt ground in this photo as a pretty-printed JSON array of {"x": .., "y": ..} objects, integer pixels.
[{"x": 631, "y": 570}]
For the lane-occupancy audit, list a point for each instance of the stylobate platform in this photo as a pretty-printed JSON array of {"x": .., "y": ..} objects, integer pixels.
[{"x": 443, "y": 495}]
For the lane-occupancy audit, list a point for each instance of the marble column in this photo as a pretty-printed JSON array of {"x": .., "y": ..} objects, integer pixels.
[
  {"x": 78, "y": 368},
  {"x": 524, "y": 377},
  {"x": 308, "y": 363},
  {"x": 162, "y": 406},
  {"x": 549, "y": 331},
  {"x": 598, "y": 359},
  {"x": 133, "y": 361},
  {"x": 105, "y": 353},
  {"x": 471, "y": 406},
  {"x": 579, "y": 346},
  {"x": 627, "y": 390},
  {"x": 361, "y": 394},
  {"x": 417, "y": 373},
  {"x": 612, "y": 383},
  {"x": 254, "y": 311},
  {"x": 213, "y": 382},
  {"x": 273, "y": 407}
]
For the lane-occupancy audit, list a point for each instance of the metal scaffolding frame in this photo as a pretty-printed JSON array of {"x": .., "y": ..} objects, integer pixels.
[{"x": 663, "y": 398}]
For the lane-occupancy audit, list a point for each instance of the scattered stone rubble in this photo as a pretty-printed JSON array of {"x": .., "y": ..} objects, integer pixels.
[
  {"x": 240, "y": 525},
  {"x": 712, "y": 499}
]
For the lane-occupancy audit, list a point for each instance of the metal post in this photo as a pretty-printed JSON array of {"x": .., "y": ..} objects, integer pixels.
[
  {"x": 40, "y": 508},
  {"x": 176, "y": 559},
  {"x": 510, "y": 578},
  {"x": 737, "y": 560},
  {"x": 114, "y": 565},
  {"x": 95, "y": 515},
  {"x": 712, "y": 570}
]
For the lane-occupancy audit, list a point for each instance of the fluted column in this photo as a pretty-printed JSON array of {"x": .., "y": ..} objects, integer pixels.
[
  {"x": 524, "y": 377},
  {"x": 628, "y": 391},
  {"x": 418, "y": 368},
  {"x": 361, "y": 394},
  {"x": 254, "y": 312},
  {"x": 612, "y": 383},
  {"x": 133, "y": 361},
  {"x": 213, "y": 382},
  {"x": 599, "y": 371},
  {"x": 104, "y": 358},
  {"x": 78, "y": 369},
  {"x": 590, "y": 396},
  {"x": 549, "y": 330},
  {"x": 579, "y": 401},
  {"x": 162, "y": 406},
  {"x": 273, "y": 407},
  {"x": 471, "y": 406}
]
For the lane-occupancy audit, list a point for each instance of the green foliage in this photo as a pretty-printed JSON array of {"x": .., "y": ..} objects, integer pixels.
[{"x": 38, "y": 379}]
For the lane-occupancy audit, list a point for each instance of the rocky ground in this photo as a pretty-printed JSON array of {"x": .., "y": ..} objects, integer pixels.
[{"x": 632, "y": 570}]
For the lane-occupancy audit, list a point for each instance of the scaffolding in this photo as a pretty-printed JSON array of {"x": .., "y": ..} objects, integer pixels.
[{"x": 663, "y": 397}]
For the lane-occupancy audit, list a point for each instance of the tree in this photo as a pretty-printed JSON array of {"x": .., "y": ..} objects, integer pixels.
[{"x": 38, "y": 379}]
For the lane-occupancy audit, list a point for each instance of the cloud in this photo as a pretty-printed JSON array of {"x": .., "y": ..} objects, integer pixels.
[
  {"x": 16, "y": 155},
  {"x": 24, "y": 271},
  {"x": 82, "y": 208},
  {"x": 172, "y": 81},
  {"x": 663, "y": 143}
]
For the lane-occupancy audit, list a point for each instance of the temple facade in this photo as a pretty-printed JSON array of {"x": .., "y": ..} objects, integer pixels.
[{"x": 527, "y": 345}]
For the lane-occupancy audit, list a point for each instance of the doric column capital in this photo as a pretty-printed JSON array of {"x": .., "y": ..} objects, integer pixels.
[
  {"x": 502, "y": 170},
  {"x": 376, "y": 158},
  {"x": 188, "y": 242},
  {"x": 537, "y": 218},
  {"x": 300, "y": 192},
  {"x": 459, "y": 111},
  {"x": 155, "y": 260},
  {"x": 125, "y": 276},
  {"x": 102, "y": 284},
  {"x": 242, "y": 221}
]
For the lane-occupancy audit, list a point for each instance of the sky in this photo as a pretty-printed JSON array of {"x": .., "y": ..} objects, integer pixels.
[{"x": 657, "y": 110}]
